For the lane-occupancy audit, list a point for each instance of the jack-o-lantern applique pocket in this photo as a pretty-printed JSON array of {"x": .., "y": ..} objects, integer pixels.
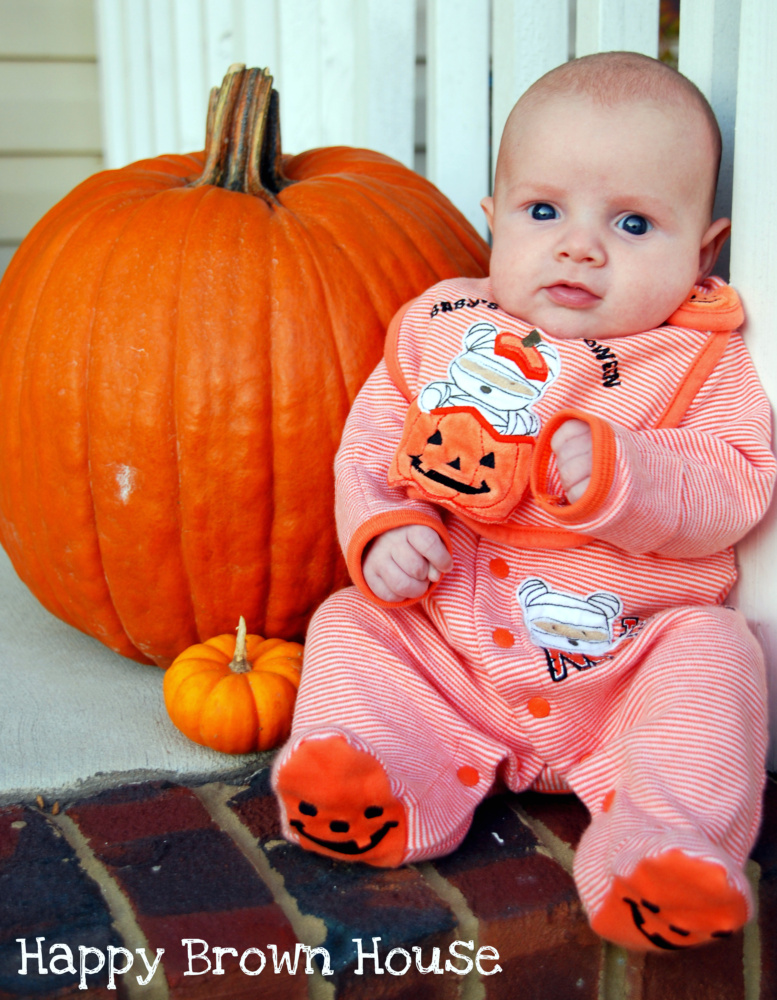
[{"x": 454, "y": 457}]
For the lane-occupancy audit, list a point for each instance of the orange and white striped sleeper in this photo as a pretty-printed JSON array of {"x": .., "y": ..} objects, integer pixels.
[{"x": 579, "y": 646}]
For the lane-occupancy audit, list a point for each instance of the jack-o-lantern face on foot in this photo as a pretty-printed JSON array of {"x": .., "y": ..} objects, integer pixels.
[
  {"x": 671, "y": 902},
  {"x": 338, "y": 802},
  {"x": 454, "y": 457}
]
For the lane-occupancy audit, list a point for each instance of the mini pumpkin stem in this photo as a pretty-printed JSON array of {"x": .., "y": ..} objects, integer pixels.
[
  {"x": 243, "y": 136},
  {"x": 240, "y": 664}
]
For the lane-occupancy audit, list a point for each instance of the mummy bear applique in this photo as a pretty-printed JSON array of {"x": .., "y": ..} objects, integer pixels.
[
  {"x": 467, "y": 441},
  {"x": 500, "y": 375},
  {"x": 569, "y": 622}
]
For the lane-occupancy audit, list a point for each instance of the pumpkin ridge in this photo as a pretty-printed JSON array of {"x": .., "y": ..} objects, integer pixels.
[
  {"x": 383, "y": 222},
  {"x": 435, "y": 202},
  {"x": 270, "y": 692},
  {"x": 122, "y": 340},
  {"x": 353, "y": 252},
  {"x": 200, "y": 628},
  {"x": 339, "y": 343},
  {"x": 132, "y": 203},
  {"x": 9, "y": 495},
  {"x": 295, "y": 381},
  {"x": 107, "y": 624},
  {"x": 230, "y": 705},
  {"x": 399, "y": 225},
  {"x": 223, "y": 573},
  {"x": 121, "y": 647},
  {"x": 453, "y": 264}
]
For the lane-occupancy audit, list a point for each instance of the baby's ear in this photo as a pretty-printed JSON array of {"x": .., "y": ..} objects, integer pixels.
[
  {"x": 487, "y": 204},
  {"x": 711, "y": 245}
]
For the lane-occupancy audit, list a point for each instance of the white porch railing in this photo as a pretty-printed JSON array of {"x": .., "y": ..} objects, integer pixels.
[{"x": 431, "y": 82}]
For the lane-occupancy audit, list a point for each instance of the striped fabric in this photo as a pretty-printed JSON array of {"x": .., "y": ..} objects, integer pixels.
[{"x": 610, "y": 668}]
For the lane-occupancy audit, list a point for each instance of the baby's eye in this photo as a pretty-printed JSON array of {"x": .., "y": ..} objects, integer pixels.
[
  {"x": 635, "y": 225},
  {"x": 542, "y": 212}
]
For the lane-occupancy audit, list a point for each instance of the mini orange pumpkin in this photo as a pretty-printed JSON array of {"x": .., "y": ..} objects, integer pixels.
[{"x": 235, "y": 694}]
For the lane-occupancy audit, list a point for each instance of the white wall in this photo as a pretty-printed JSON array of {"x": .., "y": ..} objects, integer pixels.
[{"x": 49, "y": 109}]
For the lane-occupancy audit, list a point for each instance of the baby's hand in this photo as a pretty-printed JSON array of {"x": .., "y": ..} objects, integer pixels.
[
  {"x": 573, "y": 448},
  {"x": 401, "y": 562}
]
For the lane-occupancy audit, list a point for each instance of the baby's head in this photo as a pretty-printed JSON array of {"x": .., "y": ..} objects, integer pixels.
[{"x": 602, "y": 208}]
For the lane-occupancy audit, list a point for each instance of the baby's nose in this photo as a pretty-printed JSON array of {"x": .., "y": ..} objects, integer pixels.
[{"x": 582, "y": 246}]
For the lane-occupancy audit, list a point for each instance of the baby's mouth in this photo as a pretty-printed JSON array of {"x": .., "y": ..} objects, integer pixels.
[{"x": 572, "y": 296}]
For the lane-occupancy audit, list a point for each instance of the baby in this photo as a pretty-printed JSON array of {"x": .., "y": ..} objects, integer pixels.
[{"x": 538, "y": 491}]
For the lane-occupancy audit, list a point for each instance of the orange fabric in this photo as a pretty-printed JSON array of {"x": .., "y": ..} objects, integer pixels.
[
  {"x": 338, "y": 802},
  {"x": 601, "y": 477},
  {"x": 712, "y": 305},
  {"x": 390, "y": 351},
  {"x": 454, "y": 457},
  {"x": 520, "y": 536},
  {"x": 670, "y": 902},
  {"x": 632, "y": 722},
  {"x": 705, "y": 362}
]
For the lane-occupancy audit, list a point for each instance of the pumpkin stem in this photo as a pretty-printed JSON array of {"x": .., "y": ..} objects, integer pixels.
[
  {"x": 243, "y": 136},
  {"x": 240, "y": 664}
]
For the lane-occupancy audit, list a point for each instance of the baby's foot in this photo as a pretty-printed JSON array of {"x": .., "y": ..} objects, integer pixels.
[
  {"x": 338, "y": 802},
  {"x": 670, "y": 901}
]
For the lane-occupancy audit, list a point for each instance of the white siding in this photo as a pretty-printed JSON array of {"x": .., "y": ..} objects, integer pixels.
[
  {"x": 49, "y": 109},
  {"x": 753, "y": 269}
]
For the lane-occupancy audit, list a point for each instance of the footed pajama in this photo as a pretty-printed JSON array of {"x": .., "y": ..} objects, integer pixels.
[{"x": 579, "y": 647}]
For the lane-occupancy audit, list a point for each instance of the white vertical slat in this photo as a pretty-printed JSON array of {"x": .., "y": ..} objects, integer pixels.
[
  {"x": 337, "y": 90},
  {"x": 162, "y": 72},
  {"x": 140, "y": 107},
  {"x": 298, "y": 75},
  {"x": 258, "y": 34},
  {"x": 191, "y": 82},
  {"x": 457, "y": 118},
  {"x": 709, "y": 55},
  {"x": 385, "y": 61},
  {"x": 607, "y": 25},
  {"x": 113, "y": 85},
  {"x": 219, "y": 39},
  {"x": 528, "y": 39},
  {"x": 753, "y": 267}
]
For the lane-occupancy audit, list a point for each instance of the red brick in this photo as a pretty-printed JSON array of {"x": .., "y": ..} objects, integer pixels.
[
  {"x": 527, "y": 908},
  {"x": 45, "y": 893},
  {"x": 239, "y": 929},
  {"x": 564, "y": 815},
  {"x": 713, "y": 972},
  {"x": 185, "y": 878},
  {"x": 137, "y": 811},
  {"x": 357, "y": 901},
  {"x": 765, "y": 854}
]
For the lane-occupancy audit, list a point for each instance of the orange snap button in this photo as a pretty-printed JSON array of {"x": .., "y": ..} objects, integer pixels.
[
  {"x": 499, "y": 568},
  {"x": 503, "y": 637},
  {"x": 468, "y": 775},
  {"x": 539, "y": 708},
  {"x": 607, "y": 801}
]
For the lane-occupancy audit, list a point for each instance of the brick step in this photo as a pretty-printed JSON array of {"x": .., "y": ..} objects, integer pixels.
[{"x": 201, "y": 877}]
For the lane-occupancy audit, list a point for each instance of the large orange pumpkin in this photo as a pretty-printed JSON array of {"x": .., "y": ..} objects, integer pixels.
[{"x": 180, "y": 342}]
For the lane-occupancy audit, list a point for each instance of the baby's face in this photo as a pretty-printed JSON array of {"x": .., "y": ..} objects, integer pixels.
[{"x": 600, "y": 217}]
